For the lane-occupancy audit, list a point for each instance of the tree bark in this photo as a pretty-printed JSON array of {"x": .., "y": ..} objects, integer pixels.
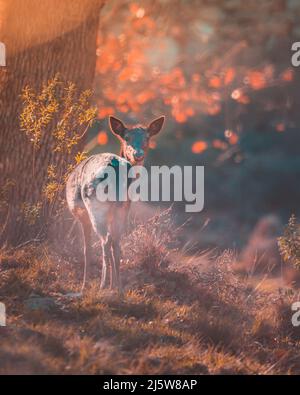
[{"x": 42, "y": 38}]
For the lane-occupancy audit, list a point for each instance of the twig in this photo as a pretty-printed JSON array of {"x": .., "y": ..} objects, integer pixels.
[{"x": 28, "y": 242}]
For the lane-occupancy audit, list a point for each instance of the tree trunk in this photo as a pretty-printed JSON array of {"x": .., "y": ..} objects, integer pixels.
[{"x": 42, "y": 38}]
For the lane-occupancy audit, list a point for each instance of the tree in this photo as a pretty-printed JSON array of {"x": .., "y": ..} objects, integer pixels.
[{"x": 42, "y": 38}]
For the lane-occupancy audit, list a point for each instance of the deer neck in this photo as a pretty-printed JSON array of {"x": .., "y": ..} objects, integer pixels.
[{"x": 122, "y": 154}]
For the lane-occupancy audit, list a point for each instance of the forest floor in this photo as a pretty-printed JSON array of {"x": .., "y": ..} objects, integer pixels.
[{"x": 179, "y": 314}]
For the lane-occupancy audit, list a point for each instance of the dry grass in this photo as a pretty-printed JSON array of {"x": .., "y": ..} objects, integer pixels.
[{"x": 179, "y": 314}]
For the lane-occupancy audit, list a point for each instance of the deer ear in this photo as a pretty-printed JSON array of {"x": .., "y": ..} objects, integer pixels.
[
  {"x": 155, "y": 126},
  {"x": 117, "y": 126}
]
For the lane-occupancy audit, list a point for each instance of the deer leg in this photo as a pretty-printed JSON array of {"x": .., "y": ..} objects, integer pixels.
[
  {"x": 116, "y": 250},
  {"x": 99, "y": 220},
  {"x": 86, "y": 228},
  {"x": 86, "y": 231},
  {"x": 113, "y": 273},
  {"x": 118, "y": 227},
  {"x": 106, "y": 261}
]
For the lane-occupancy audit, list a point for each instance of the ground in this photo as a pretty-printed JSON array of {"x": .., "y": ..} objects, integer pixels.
[{"x": 180, "y": 314}]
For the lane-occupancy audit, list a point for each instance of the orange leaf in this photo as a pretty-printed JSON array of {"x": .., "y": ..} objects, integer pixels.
[
  {"x": 257, "y": 80},
  {"x": 102, "y": 138},
  {"x": 229, "y": 76},
  {"x": 199, "y": 146},
  {"x": 287, "y": 75},
  {"x": 215, "y": 82}
]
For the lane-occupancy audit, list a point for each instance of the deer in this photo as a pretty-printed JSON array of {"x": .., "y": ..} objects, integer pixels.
[{"x": 107, "y": 219}]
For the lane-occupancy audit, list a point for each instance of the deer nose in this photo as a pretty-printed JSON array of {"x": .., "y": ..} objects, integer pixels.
[{"x": 139, "y": 155}]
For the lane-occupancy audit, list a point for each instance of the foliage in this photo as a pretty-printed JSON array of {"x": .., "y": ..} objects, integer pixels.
[
  {"x": 59, "y": 106},
  {"x": 31, "y": 212},
  {"x": 152, "y": 243},
  {"x": 189, "y": 59},
  {"x": 60, "y": 113},
  {"x": 289, "y": 243}
]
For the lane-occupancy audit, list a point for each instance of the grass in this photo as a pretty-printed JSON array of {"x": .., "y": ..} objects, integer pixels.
[{"x": 178, "y": 315}]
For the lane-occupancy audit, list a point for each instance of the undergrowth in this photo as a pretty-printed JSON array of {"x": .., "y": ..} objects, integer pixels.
[{"x": 170, "y": 320}]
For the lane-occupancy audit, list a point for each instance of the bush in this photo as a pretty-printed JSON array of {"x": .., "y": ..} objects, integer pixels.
[{"x": 289, "y": 243}]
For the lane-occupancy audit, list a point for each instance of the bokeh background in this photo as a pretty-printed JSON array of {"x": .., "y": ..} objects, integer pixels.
[{"x": 221, "y": 72}]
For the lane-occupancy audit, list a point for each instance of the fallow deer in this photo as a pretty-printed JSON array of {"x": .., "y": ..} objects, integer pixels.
[{"x": 108, "y": 219}]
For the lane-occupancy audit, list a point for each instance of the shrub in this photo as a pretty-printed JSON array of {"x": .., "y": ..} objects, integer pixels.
[{"x": 289, "y": 243}]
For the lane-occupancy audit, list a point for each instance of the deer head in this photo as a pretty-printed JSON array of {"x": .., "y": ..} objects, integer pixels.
[{"x": 135, "y": 140}]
